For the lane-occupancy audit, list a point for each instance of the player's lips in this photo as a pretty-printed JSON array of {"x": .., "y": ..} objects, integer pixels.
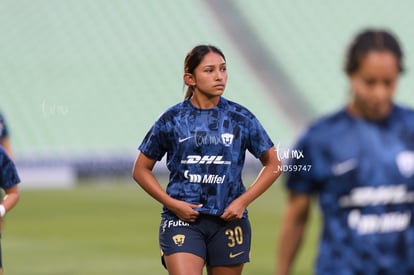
[{"x": 219, "y": 86}]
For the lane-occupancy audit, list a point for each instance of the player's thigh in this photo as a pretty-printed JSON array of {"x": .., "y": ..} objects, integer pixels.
[
  {"x": 1, "y": 254},
  {"x": 184, "y": 264},
  {"x": 176, "y": 236},
  {"x": 230, "y": 246},
  {"x": 225, "y": 270}
]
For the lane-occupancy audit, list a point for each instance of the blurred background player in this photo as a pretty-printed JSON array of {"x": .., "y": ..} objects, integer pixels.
[
  {"x": 8, "y": 182},
  {"x": 4, "y": 136},
  {"x": 205, "y": 137},
  {"x": 362, "y": 160}
]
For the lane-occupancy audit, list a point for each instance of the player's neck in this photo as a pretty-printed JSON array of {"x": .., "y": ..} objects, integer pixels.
[
  {"x": 204, "y": 102},
  {"x": 357, "y": 112}
]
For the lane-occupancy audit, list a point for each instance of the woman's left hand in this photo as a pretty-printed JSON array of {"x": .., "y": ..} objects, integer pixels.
[{"x": 234, "y": 211}]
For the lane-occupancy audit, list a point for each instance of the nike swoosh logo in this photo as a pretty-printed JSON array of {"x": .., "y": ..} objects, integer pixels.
[
  {"x": 344, "y": 167},
  {"x": 231, "y": 255},
  {"x": 183, "y": 139}
]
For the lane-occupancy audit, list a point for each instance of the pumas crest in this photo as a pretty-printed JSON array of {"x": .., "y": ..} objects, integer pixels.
[
  {"x": 405, "y": 163},
  {"x": 227, "y": 139}
]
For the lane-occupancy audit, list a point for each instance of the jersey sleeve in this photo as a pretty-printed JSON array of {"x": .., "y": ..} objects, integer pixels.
[
  {"x": 9, "y": 176},
  {"x": 3, "y": 128},
  {"x": 300, "y": 177},
  {"x": 154, "y": 143},
  {"x": 259, "y": 140}
]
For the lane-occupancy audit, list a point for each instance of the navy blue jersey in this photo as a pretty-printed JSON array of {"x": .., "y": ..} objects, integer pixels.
[
  {"x": 205, "y": 151},
  {"x": 3, "y": 129},
  {"x": 363, "y": 173},
  {"x": 8, "y": 173}
]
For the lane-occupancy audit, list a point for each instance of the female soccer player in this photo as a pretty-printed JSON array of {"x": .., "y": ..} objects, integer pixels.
[
  {"x": 362, "y": 169},
  {"x": 8, "y": 182},
  {"x": 204, "y": 218}
]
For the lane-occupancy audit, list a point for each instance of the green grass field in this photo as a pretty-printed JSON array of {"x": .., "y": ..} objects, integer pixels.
[{"x": 112, "y": 228}]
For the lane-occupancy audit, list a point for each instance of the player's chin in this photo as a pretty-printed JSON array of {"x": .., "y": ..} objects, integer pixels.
[
  {"x": 380, "y": 112},
  {"x": 217, "y": 91}
]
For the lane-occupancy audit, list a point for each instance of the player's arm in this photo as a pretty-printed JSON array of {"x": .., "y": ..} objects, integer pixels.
[
  {"x": 267, "y": 176},
  {"x": 6, "y": 145},
  {"x": 9, "y": 183},
  {"x": 143, "y": 175},
  {"x": 11, "y": 197},
  {"x": 294, "y": 222}
]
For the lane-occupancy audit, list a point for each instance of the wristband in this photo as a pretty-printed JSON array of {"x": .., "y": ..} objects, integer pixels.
[{"x": 2, "y": 210}]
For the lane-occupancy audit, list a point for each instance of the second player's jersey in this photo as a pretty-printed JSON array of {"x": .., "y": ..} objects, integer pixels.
[
  {"x": 3, "y": 128},
  {"x": 8, "y": 173},
  {"x": 206, "y": 151},
  {"x": 363, "y": 173}
]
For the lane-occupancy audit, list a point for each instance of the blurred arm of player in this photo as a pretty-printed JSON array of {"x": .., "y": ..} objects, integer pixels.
[
  {"x": 267, "y": 176},
  {"x": 6, "y": 145},
  {"x": 11, "y": 197},
  {"x": 294, "y": 222},
  {"x": 143, "y": 175}
]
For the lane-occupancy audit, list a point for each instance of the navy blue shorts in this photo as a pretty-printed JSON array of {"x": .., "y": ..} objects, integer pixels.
[{"x": 218, "y": 242}]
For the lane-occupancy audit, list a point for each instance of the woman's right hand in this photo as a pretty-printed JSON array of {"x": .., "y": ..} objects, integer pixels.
[{"x": 184, "y": 210}]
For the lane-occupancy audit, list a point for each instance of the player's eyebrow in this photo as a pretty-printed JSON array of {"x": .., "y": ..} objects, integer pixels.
[{"x": 213, "y": 65}]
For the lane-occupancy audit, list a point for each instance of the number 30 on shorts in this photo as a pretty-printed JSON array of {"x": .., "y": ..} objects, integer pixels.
[{"x": 235, "y": 236}]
